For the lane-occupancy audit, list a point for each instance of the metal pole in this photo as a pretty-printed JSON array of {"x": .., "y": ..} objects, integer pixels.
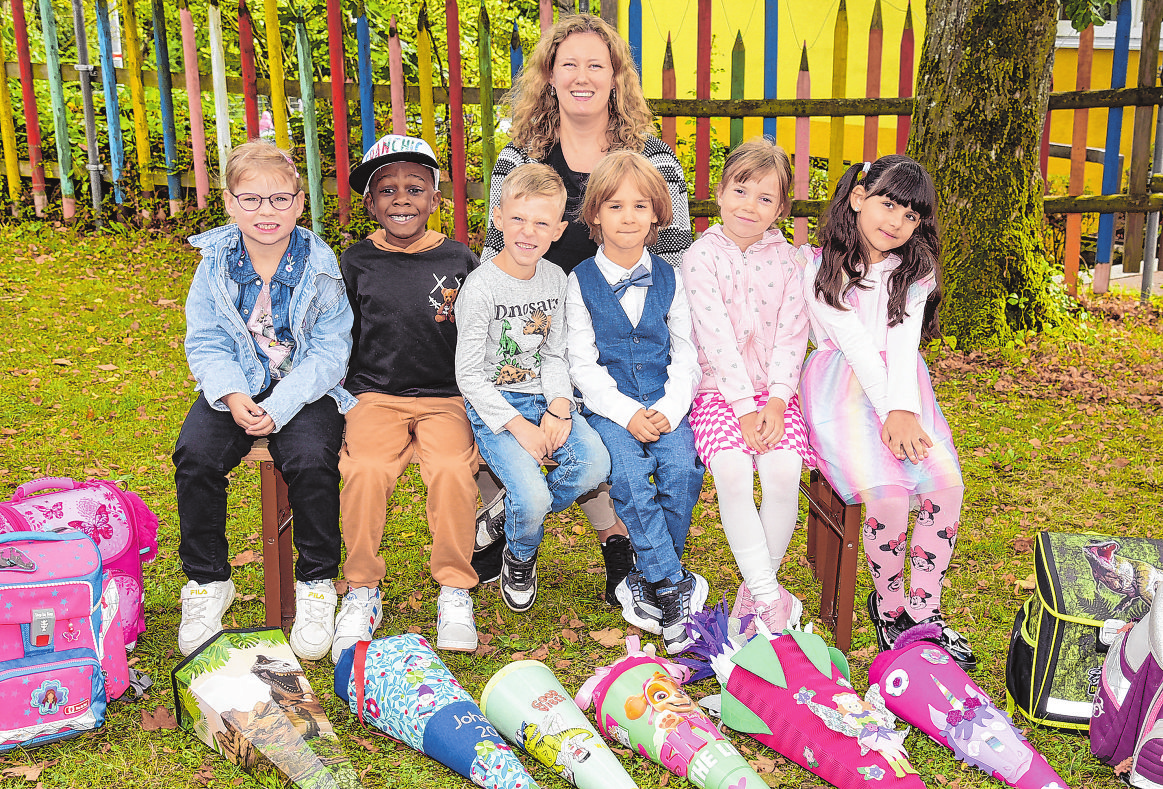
[
  {"x": 1152, "y": 221},
  {"x": 86, "y": 69}
]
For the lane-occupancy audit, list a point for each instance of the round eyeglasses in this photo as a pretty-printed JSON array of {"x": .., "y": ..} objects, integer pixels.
[{"x": 280, "y": 201}]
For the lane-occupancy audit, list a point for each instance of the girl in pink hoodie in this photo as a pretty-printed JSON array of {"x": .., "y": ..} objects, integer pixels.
[{"x": 751, "y": 329}]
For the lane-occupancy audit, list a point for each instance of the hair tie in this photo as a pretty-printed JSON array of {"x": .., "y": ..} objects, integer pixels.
[
  {"x": 290, "y": 161},
  {"x": 864, "y": 170}
]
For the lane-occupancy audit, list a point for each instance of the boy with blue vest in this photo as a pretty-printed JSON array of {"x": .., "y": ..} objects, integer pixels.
[{"x": 632, "y": 358}]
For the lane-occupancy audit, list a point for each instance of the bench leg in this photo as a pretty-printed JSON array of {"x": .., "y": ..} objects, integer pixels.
[
  {"x": 286, "y": 552},
  {"x": 271, "y": 566},
  {"x": 846, "y": 588}
]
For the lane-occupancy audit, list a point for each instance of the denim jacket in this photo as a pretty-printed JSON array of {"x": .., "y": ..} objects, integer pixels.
[{"x": 220, "y": 349}]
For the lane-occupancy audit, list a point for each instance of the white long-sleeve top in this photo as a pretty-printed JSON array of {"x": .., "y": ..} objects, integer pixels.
[
  {"x": 598, "y": 388},
  {"x": 750, "y": 320},
  {"x": 883, "y": 359}
]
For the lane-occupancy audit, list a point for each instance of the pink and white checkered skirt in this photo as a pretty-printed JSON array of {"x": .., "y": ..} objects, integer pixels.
[{"x": 717, "y": 428}]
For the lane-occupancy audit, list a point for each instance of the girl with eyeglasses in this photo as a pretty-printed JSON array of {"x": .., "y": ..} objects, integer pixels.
[{"x": 268, "y": 334}]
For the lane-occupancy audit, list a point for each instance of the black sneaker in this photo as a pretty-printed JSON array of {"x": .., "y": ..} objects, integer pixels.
[
  {"x": 490, "y": 522},
  {"x": 887, "y": 631},
  {"x": 678, "y": 602},
  {"x": 618, "y": 554},
  {"x": 518, "y": 582},
  {"x": 487, "y": 563},
  {"x": 952, "y": 642},
  {"x": 639, "y": 605}
]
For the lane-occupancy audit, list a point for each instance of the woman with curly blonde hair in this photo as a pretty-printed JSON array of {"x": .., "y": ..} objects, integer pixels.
[{"x": 577, "y": 99}]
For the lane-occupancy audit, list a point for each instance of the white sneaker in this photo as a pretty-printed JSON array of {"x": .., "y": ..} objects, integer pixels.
[
  {"x": 359, "y": 616},
  {"x": 455, "y": 627},
  {"x": 202, "y": 608},
  {"x": 314, "y": 625}
]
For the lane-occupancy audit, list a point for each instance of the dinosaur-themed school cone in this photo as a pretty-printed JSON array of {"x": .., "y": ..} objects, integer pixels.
[
  {"x": 638, "y": 701},
  {"x": 244, "y": 694},
  {"x": 399, "y": 686},
  {"x": 530, "y": 708},
  {"x": 924, "y": 687}
]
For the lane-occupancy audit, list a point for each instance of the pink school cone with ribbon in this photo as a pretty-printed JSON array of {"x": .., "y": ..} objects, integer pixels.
[
  {"x": 639, "y": 702},
  {"x": 792, "y": 693},
  {"x": 923, "y": 686},
  {"x": 399, "y": 686}
]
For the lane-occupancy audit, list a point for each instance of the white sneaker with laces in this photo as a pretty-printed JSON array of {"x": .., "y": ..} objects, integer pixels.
[
  {"x": 202, "y": 608},
  {"x": 314, "y": 625},
  {"x": 456, "y": 628},
  {"x": 359, "y": 616}
]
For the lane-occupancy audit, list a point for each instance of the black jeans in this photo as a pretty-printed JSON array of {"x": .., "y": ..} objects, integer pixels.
[{"x": 306, "y": 450}]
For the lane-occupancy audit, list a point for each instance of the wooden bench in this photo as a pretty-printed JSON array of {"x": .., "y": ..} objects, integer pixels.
[
  {"x": 833, "y": 550},
  {"x": 833, "y": 547}
]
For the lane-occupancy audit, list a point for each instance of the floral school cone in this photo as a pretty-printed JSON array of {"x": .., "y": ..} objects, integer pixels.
[
  {"x": 528, "y": 705},
  {"x": 244, "y": 694},
  {"x": 923, "y": 686},
  {"x": 639, "y": 703},
  {"x": 399, "y": 686},
  {"x": 792, "y": 693}
]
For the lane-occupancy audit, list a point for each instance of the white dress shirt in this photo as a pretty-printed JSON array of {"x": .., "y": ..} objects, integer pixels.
[{"x": 598, "y": 388}]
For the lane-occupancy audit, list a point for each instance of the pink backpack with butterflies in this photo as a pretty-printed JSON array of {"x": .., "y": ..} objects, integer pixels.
[{"x": 123, "y": 527}]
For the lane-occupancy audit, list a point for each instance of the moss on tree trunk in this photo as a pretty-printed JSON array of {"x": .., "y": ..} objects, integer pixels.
[{"x": 982, "y": 88}]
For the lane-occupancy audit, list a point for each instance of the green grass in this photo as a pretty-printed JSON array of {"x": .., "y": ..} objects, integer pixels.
[{"x": 93, "y": 382}]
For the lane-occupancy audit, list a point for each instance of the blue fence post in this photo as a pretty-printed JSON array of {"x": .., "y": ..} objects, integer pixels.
[
  {"x": 634, "y": 33},
  {"x": 770, "y": 59},
  {"x": 516, "y": 55},
  {"x": 112, "y": 103},
  {"x": 363, "y": 53},
  {"x": 1111, "y": 171}
]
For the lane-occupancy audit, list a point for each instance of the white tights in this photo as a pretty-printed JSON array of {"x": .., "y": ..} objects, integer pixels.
[{"x": 758, "y": 537}]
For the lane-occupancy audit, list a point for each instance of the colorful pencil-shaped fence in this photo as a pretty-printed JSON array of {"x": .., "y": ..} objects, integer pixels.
[
  {"x": 8, "y": 136},
  {"x": 60, "y": 115},
  {"x": 396, "y": 78},
  {"x": 166, "y": 94},
  {"x": 310, "y": 129},
  {"x": 31, "y": 115},
  {"x": 112, "y": 101},
  {"x": 905, "y": 83},
  {"x": 194, "y": 99},
  {"x": 363, "y": 51},
  {"x": 339, "y": 108},
  {"x": 1073, "y": 251}
]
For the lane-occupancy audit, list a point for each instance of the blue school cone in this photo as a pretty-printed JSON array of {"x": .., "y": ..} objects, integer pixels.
[
  {"x": 401, "y": 687},
  {"x": 527, "y": 704}
]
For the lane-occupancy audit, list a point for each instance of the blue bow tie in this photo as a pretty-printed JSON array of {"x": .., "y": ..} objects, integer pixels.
[{"x": 639, "y": 278}]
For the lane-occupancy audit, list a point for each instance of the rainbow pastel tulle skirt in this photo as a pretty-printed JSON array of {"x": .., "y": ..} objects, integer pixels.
[{"x": 844, "y": 431}]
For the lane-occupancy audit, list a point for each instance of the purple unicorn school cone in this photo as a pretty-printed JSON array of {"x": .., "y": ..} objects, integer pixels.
[
  {"x": 923, "y": 686},
  {"x": 792, "y": 693},
  {"x": 245, "y": 695},
  {"x": 528, "y": 705},
  {"x": 638, "y": 702},
  {"x": 399, "y": 686}
]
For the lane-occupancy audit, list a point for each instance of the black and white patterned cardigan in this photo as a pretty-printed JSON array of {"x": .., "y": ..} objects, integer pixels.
[{"x": 673, "y": 239}]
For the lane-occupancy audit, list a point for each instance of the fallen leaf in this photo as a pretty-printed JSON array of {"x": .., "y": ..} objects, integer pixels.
[
  {"x": 569, "y": 635},
  {"x": 762, "y": 764},
  {"x": 245, "y": 557},
  {"x": 518, "y": 656},
  {"x": 62, "y": 362},
  {"x": 484, "y": 650},
  {"x": 610, "y": 637},
  {"x": 540, "y": 653},
  {"x": 1027, "y": 584},
  {"x": 161, "y": 718},
  {"x": 107, "y": 367},
  {"x": 1120, "y": 462},
  {"x": 367, "y": 745},
  {"x": 29, "y": 772},
  {"x": 9, "y": 431},
  {"x": 563, "y": 664},
  {"x": 1023, "y": 544}
]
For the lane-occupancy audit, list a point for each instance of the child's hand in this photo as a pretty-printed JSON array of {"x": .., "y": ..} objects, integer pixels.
[
  {"x": 557, "y": 430},
  {"x": 770, "y": 426},
  {"x": 531, "y": 438},
  {"x": 642, "y": 428},
  {"x": 660, "y": 422},
  {"x": 903, "y": 436},
  {"x": 749, "y": 426},
  {"x": 248, "y": 414}
]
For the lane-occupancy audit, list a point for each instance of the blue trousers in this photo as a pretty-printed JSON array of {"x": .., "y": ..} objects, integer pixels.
[
  {"x": 658, "y": 514},
  {"x": 582, "y": 465}
]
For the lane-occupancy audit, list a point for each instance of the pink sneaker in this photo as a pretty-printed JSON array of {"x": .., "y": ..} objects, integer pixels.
[
  {"x": 780, "y": 614},
  {"x": 744, "y": 602}
]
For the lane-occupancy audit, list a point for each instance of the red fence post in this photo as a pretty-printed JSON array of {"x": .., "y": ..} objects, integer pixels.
[
  {"x": 872, "y": 83},
  {"x": 456, "y": 145},
  {"x": 339, "y": 109},
  {"x": 905, "y": 85},
  {"x": 246, "y": 55},
  {"x": 669, "y": 123},
  {"x": 703, "y": 125}
]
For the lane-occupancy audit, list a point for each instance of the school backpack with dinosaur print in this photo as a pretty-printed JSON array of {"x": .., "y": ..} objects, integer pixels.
[{"x": 1088, "y": 586}]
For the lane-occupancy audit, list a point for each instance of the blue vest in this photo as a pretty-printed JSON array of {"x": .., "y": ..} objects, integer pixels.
[{"x": 635, "y": 356}]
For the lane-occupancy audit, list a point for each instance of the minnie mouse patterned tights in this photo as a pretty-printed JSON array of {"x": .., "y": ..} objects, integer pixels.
[{"x": 888, "y": 548}]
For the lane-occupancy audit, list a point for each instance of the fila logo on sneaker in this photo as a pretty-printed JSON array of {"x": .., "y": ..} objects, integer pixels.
[
  {"x": 316, "y": 596},
  {"x": 199, "y": 592}
]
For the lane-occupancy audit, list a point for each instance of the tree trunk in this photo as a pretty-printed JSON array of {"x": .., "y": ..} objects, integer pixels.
[{"x": 982, "y": 87}]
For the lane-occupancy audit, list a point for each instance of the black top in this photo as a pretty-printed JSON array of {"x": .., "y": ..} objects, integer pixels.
[
  {"x": 404, "y": 331},
  {"x": 575, "y": 244}
]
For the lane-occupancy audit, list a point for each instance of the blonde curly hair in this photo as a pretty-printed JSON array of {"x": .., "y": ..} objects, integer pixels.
[{"x": 533, "y": 105}]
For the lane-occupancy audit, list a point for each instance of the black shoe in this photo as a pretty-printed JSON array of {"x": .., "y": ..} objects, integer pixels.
[
  {"x": 677, "y": 602},
  {"x": 487, "y": 563},
  {"x": 887, "y": 632},
  {"x": 519, "y": 582},
  {"x": 952, "y": 642},
  {"x": 639, "y": 605},
  {"x": 490, "y": 522},
  {"x": 618, "y": 555}
]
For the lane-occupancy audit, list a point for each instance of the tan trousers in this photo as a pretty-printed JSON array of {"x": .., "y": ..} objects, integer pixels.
[{"x": 383, "y": 431}]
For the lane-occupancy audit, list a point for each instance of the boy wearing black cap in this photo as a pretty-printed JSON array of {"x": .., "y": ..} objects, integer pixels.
[{"x": 402, "y": 283}]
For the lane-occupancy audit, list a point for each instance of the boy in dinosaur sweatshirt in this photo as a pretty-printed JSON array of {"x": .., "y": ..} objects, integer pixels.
[{"x": 511, "y": 369}]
